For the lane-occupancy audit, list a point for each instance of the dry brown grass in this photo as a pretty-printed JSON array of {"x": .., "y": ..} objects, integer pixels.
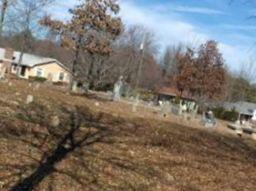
[{"x": 142, "y": 152}]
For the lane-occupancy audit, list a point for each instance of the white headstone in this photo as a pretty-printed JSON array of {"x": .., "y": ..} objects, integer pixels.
[
  {"x": 239, "y": 132},
  {"x": 254, "y": 136},
  {"x": 254, "y": 115},
  {"x": 2, "y": 72},
  {"x": 30, "y": 99},
  {"x": 117, "y": 89},
  {"x": 74, "y": 86},
  {"x": 135, "y": 104}
]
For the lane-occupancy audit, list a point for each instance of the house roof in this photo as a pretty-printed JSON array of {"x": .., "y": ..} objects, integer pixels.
[
  {"x": 242, "y": 107},
  {"x": 172, "y": 91},
  {"x": 30, "y": 60}
]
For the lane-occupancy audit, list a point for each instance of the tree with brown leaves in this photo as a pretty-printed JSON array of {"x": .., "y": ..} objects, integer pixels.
[
  {"x": 184, "y": 77},
  {"x": 93, "y": 27},
  {"x": 202, "y": 73}
]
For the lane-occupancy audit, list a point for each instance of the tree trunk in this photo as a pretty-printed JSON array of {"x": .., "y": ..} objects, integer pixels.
[
  {"x": 91, "y": 72},
  {"x": 18, "y": 72},
  {"x": 73, "y": 74},
  {"x": 3, "y": 13},
  {"x": 74, "y": 65}
]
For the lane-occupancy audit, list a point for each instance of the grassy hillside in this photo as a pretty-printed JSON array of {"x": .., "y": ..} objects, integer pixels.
[{"x": 105, "y": 146}]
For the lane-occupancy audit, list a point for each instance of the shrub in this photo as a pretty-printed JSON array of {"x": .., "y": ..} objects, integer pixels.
[
  {"x": 37, "y": 79},
  {"x": 221, "y": 113},
  {"x": 177, "y": 100},
  {"x": 146, "y": 95},
  {"x": 105, "y": 87},
  {"x": 231, "y": 115},
  {"x": 218, "y": 112}
]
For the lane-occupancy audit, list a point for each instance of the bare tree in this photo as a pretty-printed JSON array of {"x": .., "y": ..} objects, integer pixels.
[
  {"x": 241, "y": 84},
  {"x": 5, "y": 6},
  {"x": 24, "y": 21},
  {"x": 127, "y": 56},
  {"x": 248, "y": 70},
  {"x": 169, "y": 60}
]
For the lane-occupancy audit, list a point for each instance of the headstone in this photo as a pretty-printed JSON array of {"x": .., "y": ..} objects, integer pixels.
[
  {"x": 254, "y": 115},
  {"x": 37, "y": 86},
  {"x": 195, "y": 111},
  {"x": 117, "y": 89},
  {"x": 55, "y": 121},
  {"x": 85, "y": 87},
  {"x": 151, "y": 103},
  {"x": 2, "y": 183},
  {"x": 239, "y": 132},
  {"x": 165, "y": 108},
  {"x": 180, "y": 109},
  {"x": 109, "y": 95},
  {"x": 30, "y": 99},
  {"x": 135, "y": 104},
  {"x": 184, "y": 109},
  {"x": 2, "y": 72},
  {"x": 209, "y": 119},
  {"x": 175, "y": 110},
  {"x": 254, "y": 136},
  {"x": 126, "y": 91},
  {"x": 74, "y": 86},
  {"x": 169, "y": 177}
]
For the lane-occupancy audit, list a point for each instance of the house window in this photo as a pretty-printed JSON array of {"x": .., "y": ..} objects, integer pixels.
[
  {"x": 61, "y": 76},
  {"x": 39, "y": 72}
]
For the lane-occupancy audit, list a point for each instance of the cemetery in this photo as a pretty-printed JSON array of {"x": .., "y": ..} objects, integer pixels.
[
  {"x": 108, "y": 95},
  {"x": 155, "y": 127}
]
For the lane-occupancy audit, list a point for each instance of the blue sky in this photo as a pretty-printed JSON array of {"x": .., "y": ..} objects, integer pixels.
[{"x": 192, "y": 22}]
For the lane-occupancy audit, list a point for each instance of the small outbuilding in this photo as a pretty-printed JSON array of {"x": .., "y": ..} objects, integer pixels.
[{"x": 170, "y": 93}]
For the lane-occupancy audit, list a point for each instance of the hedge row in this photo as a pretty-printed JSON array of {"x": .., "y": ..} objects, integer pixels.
[{"x": 221, "y": 113}]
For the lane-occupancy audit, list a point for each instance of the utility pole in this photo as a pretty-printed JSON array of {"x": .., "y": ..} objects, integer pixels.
[
  {"x": 134, "y": 108},
  {"x": 140, "y": 65}
]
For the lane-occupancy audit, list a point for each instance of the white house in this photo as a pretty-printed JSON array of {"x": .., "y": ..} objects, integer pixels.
[{"x": 33, "y": 66}]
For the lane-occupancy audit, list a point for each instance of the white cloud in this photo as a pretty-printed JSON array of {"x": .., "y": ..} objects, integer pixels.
[
  {"x": 59, "y": 10},
  {"x": 199, "y": 10},
  {"x": 237, "y": 56},
  {"x": 238, "y": 27},
  {"x": 169, "y": 28}
]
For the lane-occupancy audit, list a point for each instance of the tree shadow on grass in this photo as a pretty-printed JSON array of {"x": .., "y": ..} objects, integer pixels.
[
  {"x": 72, "y": 143},
  {"x": 79, "y": 130}
]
